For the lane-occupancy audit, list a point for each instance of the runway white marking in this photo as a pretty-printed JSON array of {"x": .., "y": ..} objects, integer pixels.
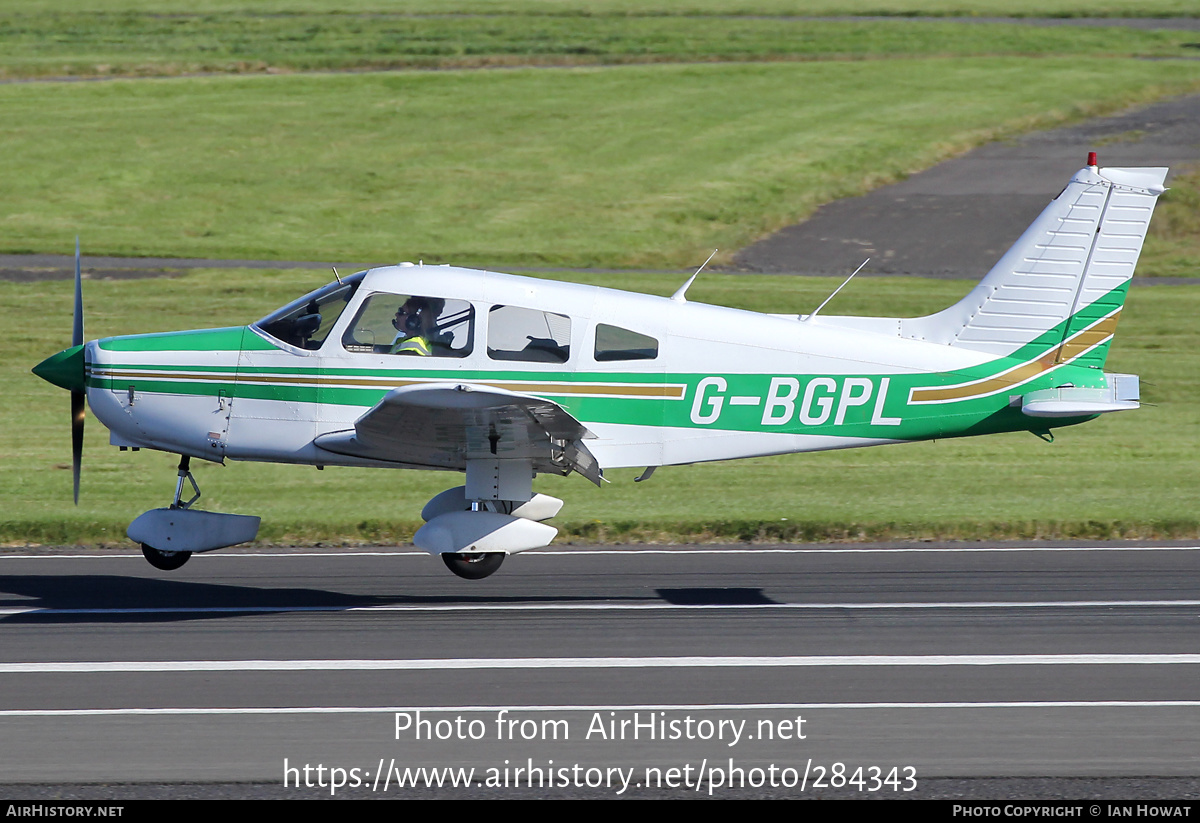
[
  {"x": 515, "y": 709},
  {"x": 459, "y": 664},
  {"x": 609, "y": 607},
  {"x": 869, "y": 550}
]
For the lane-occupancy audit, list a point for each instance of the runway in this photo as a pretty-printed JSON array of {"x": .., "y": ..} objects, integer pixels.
[{"x": 620, "y": 671}]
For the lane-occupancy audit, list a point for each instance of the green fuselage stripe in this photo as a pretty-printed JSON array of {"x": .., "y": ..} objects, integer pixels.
[{"x": 943, "y": 404}]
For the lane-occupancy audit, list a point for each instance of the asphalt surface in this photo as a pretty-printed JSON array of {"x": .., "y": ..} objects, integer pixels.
[
  {"x": 1069, "y": 671},
  {"x": 957, "y": 218}
]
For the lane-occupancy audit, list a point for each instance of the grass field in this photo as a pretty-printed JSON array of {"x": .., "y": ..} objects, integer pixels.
[
  {"x": 678, "y": 8},
  {"x": 1129, "y": 475},
  {"x": 636, "y": 166},
  {"x": 1173, "y": 246},
  {"x": 89, "y": 44},
  {"x": 738, "y": 120}
]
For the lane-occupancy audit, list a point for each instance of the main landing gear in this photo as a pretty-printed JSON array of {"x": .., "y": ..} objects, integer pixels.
[
  {"x": 170, "y": 536},
  {"x": 474, "y": 566},
  {"x": 495, "y": 514},
  {"x": 473, "y": 527}
]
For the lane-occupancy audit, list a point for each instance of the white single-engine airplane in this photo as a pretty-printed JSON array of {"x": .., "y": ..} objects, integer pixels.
[{"x": 503, "y": 377}]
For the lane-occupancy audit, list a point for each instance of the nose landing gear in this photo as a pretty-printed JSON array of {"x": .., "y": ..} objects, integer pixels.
[
  {"x": 166, "y": 561},
  {"x": 170, "y": 536},
  {"x": 169, "y": 561}
]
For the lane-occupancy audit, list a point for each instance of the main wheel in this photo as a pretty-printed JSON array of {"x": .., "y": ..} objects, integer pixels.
[
  {"x": 473, "y": 566},
  {"x": 167, "y": 561}
]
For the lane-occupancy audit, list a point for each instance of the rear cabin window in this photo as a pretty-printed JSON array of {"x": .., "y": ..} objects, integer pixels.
[
  {"x": 412, "y": 325},
  {"x": 616, "y": 343},
  {"x": 528, "y": 335}
]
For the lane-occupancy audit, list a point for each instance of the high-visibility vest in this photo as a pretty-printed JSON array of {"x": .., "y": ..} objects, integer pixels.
[{"x": 411, "y": 345}]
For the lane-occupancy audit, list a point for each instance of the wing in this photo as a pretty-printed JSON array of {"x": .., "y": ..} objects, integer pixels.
[{"x": 443, "y": 425}]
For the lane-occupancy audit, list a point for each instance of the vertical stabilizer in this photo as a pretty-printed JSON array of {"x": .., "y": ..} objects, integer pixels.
[{"x": 1068, "y": 272}]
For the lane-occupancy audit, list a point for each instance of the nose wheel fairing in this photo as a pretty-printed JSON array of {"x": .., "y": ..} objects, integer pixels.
[{"x": 176, "y": 530}]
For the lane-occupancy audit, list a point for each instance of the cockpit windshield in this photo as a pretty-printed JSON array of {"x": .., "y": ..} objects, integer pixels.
[{"x": 305, "y": 323}]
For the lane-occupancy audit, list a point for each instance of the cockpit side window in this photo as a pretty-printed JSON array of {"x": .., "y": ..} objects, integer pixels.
[
  {"x": 411, "y": 325},
  {"x": 305, "y": 323},
  {"x": 528, "y": 335}
]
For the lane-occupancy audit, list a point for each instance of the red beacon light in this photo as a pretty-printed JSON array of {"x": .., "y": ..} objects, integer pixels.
[{"x": 1092, "y": 159}]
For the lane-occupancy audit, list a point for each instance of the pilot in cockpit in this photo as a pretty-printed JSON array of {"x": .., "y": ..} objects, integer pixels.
[{"x": 416, "y": 324}]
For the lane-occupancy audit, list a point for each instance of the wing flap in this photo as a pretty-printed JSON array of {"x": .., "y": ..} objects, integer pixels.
[{"x": 443, "y": 425}]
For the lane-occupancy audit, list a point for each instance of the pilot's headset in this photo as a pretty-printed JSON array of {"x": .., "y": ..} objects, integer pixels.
[{"x": 412, "y": 322}]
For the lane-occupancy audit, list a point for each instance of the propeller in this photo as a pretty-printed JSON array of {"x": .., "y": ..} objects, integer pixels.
[
  {"x": 67, "y": 370},
  {"x": 78, "y": 395}
]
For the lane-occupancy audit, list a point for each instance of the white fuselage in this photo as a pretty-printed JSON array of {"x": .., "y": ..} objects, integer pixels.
[{"x": 271, "y": 401}]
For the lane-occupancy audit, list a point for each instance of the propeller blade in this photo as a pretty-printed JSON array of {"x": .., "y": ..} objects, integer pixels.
[
  {"x": 68, "y": 370},
  {"x": 77, "y": 408},
  {"x": 78, "y": 396},
  {"x": 77, "y": 330}
]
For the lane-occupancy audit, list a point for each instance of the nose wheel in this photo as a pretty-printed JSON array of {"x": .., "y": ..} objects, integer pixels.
[
  {"x": 166, "y": 561},
  {"x": 475, "y": 566}
]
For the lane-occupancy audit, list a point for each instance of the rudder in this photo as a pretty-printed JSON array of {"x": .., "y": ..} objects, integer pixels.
[{"x": 1069, "y": 272}]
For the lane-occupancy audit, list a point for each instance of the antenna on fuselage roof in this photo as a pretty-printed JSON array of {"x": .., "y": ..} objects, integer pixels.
[
  {"x": 335, "y": 274},
  {"x": 838, "y": 289},
  {"x": 678, "y": 296}
]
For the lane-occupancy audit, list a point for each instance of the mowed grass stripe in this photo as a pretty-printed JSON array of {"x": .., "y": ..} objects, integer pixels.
[
  {"x": 630, "y": 166},
  {"x": 1132, "y": 474},
  {"x": 90, "y": 44},
  {"x": 991, "y": 8}
]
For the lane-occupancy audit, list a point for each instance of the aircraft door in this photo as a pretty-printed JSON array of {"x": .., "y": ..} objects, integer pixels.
[
  {"x": 393, "y": 340},
  {"x": 274, "y": 414}
]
